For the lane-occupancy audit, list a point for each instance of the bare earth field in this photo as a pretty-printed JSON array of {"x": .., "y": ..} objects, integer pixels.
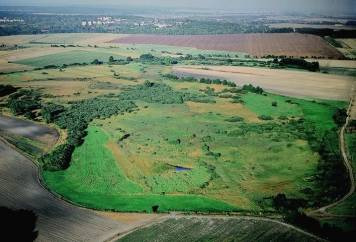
[
  {"x": 284, "y": 82},
  {"x": 290, "y": 44}
]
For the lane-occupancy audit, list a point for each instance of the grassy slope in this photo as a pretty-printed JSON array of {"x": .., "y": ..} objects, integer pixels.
[
  {"x": 93, "y": 181},
  {"x": 318, "y": 112},
  {"x": 70, "y": 57}
]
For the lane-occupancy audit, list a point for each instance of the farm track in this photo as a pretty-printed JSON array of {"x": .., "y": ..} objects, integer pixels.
[{"x": 322, "y": 212}]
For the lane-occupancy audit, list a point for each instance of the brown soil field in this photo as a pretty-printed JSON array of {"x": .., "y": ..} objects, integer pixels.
[
  {"x": 284, "y": 82},
  {"x": 289, "y": 44}
]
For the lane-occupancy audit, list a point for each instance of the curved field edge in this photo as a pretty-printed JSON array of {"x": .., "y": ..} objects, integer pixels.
[
  {"x": 208, "y": 228},
  {"x": 77, "y": 185}
]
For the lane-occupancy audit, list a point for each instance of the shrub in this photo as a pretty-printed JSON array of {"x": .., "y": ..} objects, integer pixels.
[
  {"x": 251, "y": 88},
  {"x": 265, "y": 117},
  {"x": 234, "y": 119}
]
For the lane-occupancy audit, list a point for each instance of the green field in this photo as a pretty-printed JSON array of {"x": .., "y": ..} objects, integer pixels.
[{"x": 68, "y": 57}]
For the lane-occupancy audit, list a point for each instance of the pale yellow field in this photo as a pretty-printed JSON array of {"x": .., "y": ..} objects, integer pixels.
[
  {"x": 336, "y": 63},
  {"x": 285, "y": 82}
]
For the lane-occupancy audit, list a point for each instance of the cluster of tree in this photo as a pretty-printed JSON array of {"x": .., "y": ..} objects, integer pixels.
[
  {"x": 340, "y": 116},
  {"x": 126, "y": 61},
  {"x": 253, "y": 89},
  {"x": 51, "y": 111},
  {"x": 6, "y": 90},
  {"x": 201, "y": 80},
  {"x": 298, "y": 63},
  {"x": 24, "y": 102}
]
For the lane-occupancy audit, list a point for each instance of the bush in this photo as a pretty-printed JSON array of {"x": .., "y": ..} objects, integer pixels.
[
  {"x": 51, "y": 111},
  {"x": 234, "y": 119},
  {"x": 265, "y": 117},
  {"x": 251, "y": 88},
  {"x": 340, "y": 116},
  {"x": 24, "y": 102}
]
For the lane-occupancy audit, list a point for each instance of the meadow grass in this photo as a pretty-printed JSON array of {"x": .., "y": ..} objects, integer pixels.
[
  {"x": 239, "y": 169},
  {"x": 96, "y": 180},
  {"x": 319, "y": 113}
]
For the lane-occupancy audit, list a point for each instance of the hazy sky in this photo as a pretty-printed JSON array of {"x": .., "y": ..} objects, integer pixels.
[{"x": 319, "y": 6}]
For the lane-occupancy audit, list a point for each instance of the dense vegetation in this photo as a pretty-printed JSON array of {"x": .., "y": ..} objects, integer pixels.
[
  {"x": 201, "y": 80},
  {"x": 25, "y": 102},
  {"x": 298, "y": 63},
  {"x": 6, "y": 90}
]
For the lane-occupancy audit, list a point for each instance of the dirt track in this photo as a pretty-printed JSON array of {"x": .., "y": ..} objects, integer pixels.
[{"x": 284, "y": 82}]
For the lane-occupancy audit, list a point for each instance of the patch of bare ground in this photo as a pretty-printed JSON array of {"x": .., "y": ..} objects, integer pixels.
[
  {"x": 289, "y": 44},
  {"x": 285, "y": 82}
]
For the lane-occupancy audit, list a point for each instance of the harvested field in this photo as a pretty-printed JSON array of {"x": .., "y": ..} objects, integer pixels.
[
  {"x": 290, "y": 44},
  {"x": 200, "y": 228},
  {"x": 284, "y": 82}
]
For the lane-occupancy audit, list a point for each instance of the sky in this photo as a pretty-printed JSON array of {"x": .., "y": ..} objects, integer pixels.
[{"x": 307, "y": 6}]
